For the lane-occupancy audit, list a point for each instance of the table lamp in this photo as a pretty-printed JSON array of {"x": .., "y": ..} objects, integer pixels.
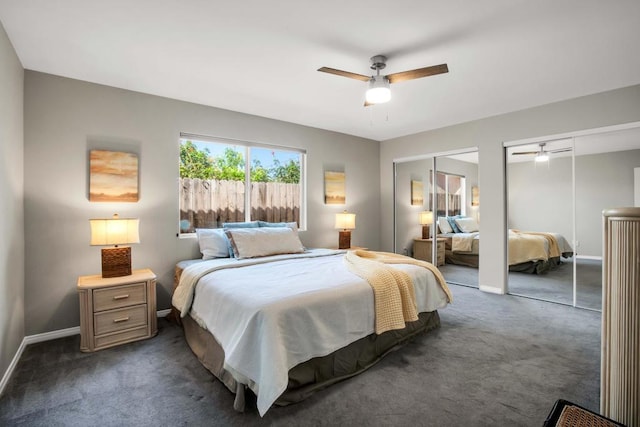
[
  {"x": 116, "y": 261},
  {"x": 346, "y": 222},
  {"x": 426, "y": 219}
]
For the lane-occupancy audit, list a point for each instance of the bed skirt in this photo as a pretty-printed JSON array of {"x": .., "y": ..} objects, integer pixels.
[
  {"x": 534, "y": 267},
  {"x": 314, "y": 374}
]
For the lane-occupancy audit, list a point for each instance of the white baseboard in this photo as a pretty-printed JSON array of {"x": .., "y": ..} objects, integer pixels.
[
  {"x": 163, "y": 313},
  {"x": 46, "y": 336},
  {"x": 12, "y": 366},
  {"x": 491, "y": 290},
  {"x": 597, "y": 258}
]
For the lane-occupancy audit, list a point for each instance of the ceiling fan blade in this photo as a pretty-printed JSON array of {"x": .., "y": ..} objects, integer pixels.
[
  {"x": 418, "y": 73},
  {"x": 528, "y": 153},
  {"x": 560, "y": 150},
  {"x": 348, "y": 74},
  {"x": 368, "y": 104}
]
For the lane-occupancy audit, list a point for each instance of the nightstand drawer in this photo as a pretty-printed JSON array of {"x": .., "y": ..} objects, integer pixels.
[
  {"x": 121, "y": 337},
  {"x": 118, "y": 320},
  {"x": 120, "y": 296}
]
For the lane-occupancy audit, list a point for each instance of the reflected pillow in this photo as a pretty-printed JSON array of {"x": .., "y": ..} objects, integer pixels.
[
  {"x": 444, "y": 225},
  {"x": 257, "y": 242},
  {"x": 213, "y": 243},
  {"x": 452, "y": 222},
  {"x": 467, "y": 225}
]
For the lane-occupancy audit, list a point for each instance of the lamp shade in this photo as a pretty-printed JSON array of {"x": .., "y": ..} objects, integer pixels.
[
  {"x": 114, "y": 231},
  {"x": 378, "y": 91},
  {"x": 346, "y": 221},
  {"x": 426, "y": 217}
]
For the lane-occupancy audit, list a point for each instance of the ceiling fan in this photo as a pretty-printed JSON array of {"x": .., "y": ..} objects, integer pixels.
[
  {"x": 542, "y": 155},
  {"x": 379, "y": 91}
]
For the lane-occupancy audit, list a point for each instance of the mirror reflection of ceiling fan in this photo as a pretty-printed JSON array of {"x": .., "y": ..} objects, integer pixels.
[
  {"x": 542, "y": 155},
  {"x": 379, "y": 91}
]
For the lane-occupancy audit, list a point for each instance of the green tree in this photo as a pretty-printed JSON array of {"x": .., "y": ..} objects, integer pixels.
[
  {"x": 288, "y": 173},
  {"x": 198, "y": 163},
  {"x": 195, "y": 163},
  {"x": 259, "y": 173},
  {"x": 230, "y": 166}
]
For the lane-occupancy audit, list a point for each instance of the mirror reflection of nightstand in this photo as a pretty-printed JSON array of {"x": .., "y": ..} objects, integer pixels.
[{"x": 422, "y": 249}]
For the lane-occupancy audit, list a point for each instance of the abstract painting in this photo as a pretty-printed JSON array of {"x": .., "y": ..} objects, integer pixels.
[{"x": 113, "y": 176}]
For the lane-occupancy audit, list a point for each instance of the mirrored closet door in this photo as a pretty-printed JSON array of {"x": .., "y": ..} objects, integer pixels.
[
  {"x": 540, "y": 220},
  {"x": 558, "y": 201},
  {"x": 432, "y": 196}
]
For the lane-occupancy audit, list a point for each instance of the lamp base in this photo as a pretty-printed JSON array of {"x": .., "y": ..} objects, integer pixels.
[
  {"x": 116, "y": 262},
  {"x": 426, "y": 233},
  {"x": 344, "y": 241}
]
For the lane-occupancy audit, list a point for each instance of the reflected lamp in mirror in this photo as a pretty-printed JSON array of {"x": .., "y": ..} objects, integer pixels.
[
  {"x": 116, "y": 261},
  {"x": 426, "y": 219},
  {"x": 345, "y": 222}
]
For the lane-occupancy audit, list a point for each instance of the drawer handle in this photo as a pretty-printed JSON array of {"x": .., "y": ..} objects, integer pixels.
[
  {"x": 122, "y": 319},
  {"x": 117, "y": 297}
]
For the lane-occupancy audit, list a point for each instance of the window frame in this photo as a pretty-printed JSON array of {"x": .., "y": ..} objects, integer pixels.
[
  {"x": 247, "y": 145},
  {"x": 463, "y": 186}
]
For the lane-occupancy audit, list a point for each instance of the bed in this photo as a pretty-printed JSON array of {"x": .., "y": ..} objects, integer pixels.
[
  {"x": 529, "y": 252},
  {"x": 285, "y": 325}
]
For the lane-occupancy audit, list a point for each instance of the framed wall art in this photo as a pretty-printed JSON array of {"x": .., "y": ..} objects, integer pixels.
[
  {"x": 417, "y": 193},
  {"x": 113, "y": 176},
  {"x": 334, "y": 188}
]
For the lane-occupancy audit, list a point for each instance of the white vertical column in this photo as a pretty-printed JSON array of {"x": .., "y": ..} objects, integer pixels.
[{"x": 620, "y": 358}]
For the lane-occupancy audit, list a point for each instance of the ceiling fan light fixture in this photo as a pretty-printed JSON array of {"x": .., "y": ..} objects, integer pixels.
[
  {"x": 378, "y": 92},
  {"x": 542, "y": 157}
]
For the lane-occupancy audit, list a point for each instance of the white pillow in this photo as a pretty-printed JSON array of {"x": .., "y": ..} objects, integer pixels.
[
  {"x": 213, "y": 243},
  {"x": 256, "y": 242},
  {"x": 467, "y": 225},
  {"x": 444, "y": 225}
]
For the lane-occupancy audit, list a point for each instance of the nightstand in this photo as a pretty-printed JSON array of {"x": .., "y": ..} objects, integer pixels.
[
  {"x": 117, "y": 310},
  {"x": 422, "y": 249}
]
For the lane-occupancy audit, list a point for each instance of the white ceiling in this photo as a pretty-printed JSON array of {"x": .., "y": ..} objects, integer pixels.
[{"x": 261, "y": 57}]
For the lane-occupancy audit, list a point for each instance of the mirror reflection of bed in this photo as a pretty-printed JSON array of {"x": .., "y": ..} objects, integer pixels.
[{"x": 566, "y": 194}]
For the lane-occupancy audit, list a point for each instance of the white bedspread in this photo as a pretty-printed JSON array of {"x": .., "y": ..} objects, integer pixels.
[{"x": 269, "y": 317}]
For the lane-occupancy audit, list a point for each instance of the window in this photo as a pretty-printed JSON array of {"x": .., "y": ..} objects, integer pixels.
[
  {"x": 450, "y": 190},
  {"x": 235, "y": 181}
]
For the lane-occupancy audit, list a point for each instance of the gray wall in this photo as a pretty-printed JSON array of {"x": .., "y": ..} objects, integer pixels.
[
  {"x": 12, "y": 317},
  {"x": 407, "y": 227},
  {"x": 588, "y": 112},
  {"x": 540, "y": 198},
  {"x": 65, "y": 118}
]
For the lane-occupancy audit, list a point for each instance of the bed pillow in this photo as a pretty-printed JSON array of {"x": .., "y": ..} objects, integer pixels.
[
  {"x": 226, "y": 225},
  {"x": 251, "y": 224},
  {"x": 452, "y": 222},
  {"x": 257, "y": 242},
  {"x": 444, "y": 225},
  {"x": 213, "y": 243},
  {"x": 467, "y": 225},
  {"x": 291, "y": 225}
]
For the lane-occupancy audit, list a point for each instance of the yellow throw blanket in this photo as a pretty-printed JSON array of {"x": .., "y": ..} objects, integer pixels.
[
  {"x": 554, "y": 248},
  {"x": 524, "y": 246},
  {"x": 394, "y": 295}
]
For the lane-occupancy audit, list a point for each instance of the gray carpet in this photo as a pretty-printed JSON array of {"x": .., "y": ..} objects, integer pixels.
[{"x": 496, "y": 360}]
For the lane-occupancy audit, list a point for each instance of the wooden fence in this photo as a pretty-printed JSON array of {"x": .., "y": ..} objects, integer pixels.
[{"x": 210, "y": 203}]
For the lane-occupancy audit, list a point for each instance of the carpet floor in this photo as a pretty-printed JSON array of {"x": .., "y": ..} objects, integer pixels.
[{"x": 496, "y": 360}]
